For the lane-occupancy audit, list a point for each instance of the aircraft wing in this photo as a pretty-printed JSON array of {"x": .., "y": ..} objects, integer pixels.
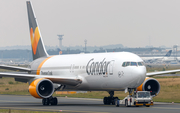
[
  {"x": 162, "y": 72},
  {"x": 15, "y": 68},
  {"x": 65, "y": 80}
]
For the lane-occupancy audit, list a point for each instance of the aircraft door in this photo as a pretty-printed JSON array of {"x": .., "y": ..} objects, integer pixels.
[
  {"x": 110, "y": 67},
  {"x": 72, "y": 68}
]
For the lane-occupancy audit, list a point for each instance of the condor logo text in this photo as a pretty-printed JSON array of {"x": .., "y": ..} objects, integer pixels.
[{"x": 99, "y": 68}]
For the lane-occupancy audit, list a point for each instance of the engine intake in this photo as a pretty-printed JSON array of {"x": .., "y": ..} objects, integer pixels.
[
  {"x": 150, "y": 84},
  {"x": 41, "y": 88}
]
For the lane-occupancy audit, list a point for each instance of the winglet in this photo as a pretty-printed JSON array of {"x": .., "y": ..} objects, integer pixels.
[{"x": 38, "y": 48}]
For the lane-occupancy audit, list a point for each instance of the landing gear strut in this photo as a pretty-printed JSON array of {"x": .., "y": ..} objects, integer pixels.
[
  {"x": 49, "y": 101},
  {"x": 110, "y": 100},
  {"x": 131, "y": 91}
]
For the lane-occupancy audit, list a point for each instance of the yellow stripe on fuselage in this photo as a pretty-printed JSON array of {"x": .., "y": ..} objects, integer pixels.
[{"x": 41, "y": 64}]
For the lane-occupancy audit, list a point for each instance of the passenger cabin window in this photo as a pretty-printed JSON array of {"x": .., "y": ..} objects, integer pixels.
[{"x": 125, "y": 64}]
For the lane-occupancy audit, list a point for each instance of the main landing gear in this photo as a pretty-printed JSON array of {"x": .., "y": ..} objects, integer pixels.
[
  {"x": 49, "y": 101},
  {"x": 52, "y": 100},
  {"x": 110, "y": 100}
]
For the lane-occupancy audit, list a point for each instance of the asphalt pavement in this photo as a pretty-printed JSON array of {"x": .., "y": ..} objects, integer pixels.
[{"x": 81, "y": 105}]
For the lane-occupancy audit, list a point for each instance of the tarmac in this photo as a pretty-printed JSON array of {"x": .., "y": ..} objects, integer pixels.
[{"x": 81, "y": 105}]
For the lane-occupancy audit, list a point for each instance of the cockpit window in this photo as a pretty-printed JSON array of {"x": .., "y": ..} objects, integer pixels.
[
  {"x": 132, "y": 64},
  {"x": 124, "y": 64},
  {"x": 127, "y": 63},
  {"x": 140, "y": 63}
]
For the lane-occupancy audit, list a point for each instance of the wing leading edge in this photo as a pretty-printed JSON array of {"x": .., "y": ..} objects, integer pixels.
[
  {"x": 15, "y": 68},
  {"x": 67, "y": 80},
  {"x": 162, "y": 72}
]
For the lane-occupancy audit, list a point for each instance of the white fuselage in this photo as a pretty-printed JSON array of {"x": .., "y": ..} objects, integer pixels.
[{"x": 102, "y": 71}]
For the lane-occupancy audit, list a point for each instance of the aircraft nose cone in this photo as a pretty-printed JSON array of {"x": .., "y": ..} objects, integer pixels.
[{"x": 139, "y": 74}]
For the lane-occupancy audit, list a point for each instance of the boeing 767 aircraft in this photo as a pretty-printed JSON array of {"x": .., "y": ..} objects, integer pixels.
[{"x": 121, "y": 71}]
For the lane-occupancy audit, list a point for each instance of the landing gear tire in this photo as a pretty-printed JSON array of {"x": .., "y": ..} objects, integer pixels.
[
  {"x": 54, "y": 101},
  {"x": 109, "y": 100},
  {"x": 45, "y": 101},
  {"x": 113, "y": 101},
  {"x": 105, "y": 100}
]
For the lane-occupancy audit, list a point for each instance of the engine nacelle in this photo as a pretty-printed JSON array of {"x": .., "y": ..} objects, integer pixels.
[
  {"x": 150, "y": 84},
  {"x": 41, "y": 88}
]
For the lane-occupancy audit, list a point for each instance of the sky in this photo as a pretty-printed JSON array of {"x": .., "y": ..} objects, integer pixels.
[{"x": 133, "y": 23}]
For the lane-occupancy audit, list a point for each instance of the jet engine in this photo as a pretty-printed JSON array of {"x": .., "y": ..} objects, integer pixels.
[
  {"x": 41, "y": 88},
  {"x": 150, "y": 84}
]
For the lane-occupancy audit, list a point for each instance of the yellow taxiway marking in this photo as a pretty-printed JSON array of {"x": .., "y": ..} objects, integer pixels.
[{"x": 32, "y": 109}]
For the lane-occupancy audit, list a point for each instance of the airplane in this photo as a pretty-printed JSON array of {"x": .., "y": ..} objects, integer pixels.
[
  {"x": 156, "y": 59},
  {"x": 116, "y": 71}
]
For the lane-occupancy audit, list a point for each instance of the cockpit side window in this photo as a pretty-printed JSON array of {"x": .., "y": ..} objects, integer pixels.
[
  {"x": 140, "y": 64},
  {"x": 124, "y": 64}
]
